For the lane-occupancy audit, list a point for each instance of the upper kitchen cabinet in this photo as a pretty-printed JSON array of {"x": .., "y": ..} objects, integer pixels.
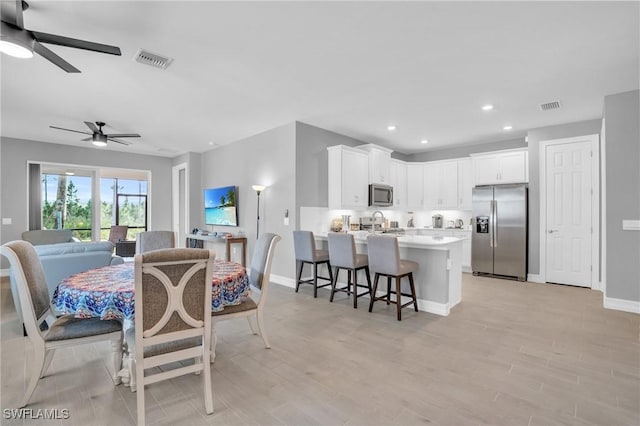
[
  {"x": 465, "y": 183},
  {"x": 415, "y": 185},
  {"x": 379, "y": 163},
  {"x": 348, "y": 177},
  {"x": 398, "y": 180},
  {"x": 441, "y": 185},
  {"x": 500, "y": 167}
]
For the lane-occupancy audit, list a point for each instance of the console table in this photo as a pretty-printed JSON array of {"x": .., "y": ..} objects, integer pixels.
[{"x": 197, "y": 241}]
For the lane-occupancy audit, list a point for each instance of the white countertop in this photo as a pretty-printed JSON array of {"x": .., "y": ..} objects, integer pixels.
[{"x": 413, "y": 241}]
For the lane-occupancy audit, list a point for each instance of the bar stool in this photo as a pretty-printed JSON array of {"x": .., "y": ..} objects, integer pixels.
[
  {"x": 384, "y": 259},
  {"x": 342, "y": 255},
  {"x": 306, "y": 252}
]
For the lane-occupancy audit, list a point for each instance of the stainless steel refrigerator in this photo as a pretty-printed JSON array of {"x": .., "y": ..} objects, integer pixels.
[{"x": 499, "y": 235}]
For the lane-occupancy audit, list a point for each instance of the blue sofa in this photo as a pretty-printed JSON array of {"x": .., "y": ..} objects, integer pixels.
[{"x": 62, "y": 260}]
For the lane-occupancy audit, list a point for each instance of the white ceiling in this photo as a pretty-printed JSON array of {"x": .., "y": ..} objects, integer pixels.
[{"x": 241, "y": 68}]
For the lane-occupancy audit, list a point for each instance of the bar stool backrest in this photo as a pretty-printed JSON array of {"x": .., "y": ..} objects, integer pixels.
[
  {"x": 342, "y": 250},
  {"x": 304, "y": 246},
  {"x": 384, "y": 254}
]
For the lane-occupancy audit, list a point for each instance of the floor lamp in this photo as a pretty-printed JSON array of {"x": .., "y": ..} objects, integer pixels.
[{"x": 258, "y": 189}]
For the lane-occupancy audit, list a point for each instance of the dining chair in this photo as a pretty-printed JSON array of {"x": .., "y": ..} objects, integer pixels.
[
  {"x": 343, "y": 255},
  {"x": 306, "y": 252},
  {"x": 46, "y": 332},
  {"x": 259, "y": 275},
  {"x": 173, "y": 307},
  {"x": 384, "y": 260},
  {"x": 154, "y": 240},
  {"x": 118, "y": 233}
]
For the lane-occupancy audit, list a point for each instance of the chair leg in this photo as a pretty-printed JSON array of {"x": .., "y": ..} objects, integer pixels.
[
  {"x": 413, "y": 292},
  {"x": 366, "y": 272},
  {"x": 116, "y": 347},
  {"x": 47, "y": 361},
  {"x": 329, "y": 268},
  {"x": 375, "y": 289},
  {"x": 251, "y": 326},
  {"x": 214, "y": 341},
  {"x": 334, "y": 282},
  {"x": 355, "y": 289},
  {"x": 348, "y": 282},
  {"x": 38, "y": 365},
  {"x": 140, "y": 395},
  {"x": 263, "y": 330},
  {"x": 315, "y": 280},
  {"x": 208, "y": 392},
  {"x": 398, "y": 299},
  {"x": 388, "y": 290},
  {"x": 299, "y": 266}
]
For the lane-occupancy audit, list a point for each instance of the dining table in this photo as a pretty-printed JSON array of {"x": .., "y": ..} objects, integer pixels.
[{"x": 109, "y": 293}]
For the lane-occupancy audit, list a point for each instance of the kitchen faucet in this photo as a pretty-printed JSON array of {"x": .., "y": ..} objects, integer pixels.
[{"x": 373, "y": 220}]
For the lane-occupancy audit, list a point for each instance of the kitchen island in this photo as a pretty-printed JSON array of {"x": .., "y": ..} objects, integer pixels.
[{"x": 438, "y": 282}]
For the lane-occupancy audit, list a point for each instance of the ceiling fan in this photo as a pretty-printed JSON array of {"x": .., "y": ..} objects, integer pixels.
[
  {"x": 98, "y": 138},
  {"x": 17, "y": 41}
]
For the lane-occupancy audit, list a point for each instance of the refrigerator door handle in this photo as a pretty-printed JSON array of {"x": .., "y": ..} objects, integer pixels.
[
  {"x": 491, "y": 220},
  {"x": 494, "y": 228}
]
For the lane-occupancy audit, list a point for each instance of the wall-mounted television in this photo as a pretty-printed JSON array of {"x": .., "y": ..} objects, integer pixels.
[{"x": 221, "y": 206}]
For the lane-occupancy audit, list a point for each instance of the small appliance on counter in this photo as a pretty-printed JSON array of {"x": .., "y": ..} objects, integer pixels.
[
  {"x": 345, "y": 222},
  {"x": 459, "y": 224},
  {"x": 367, "y": 223},
  {"x": 436, "y": 221}
]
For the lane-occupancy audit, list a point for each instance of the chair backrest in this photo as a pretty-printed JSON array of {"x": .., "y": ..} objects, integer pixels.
[
  {"x": 304, "y": 245},
  {"x": 342, "y": 250},
  {"x": 260, "y": 268},
  {"x": 31, "y": 285},
  {"x": 118, "y": 233},
  {"x": 384, "y": 254},
  {"x": 154, "y": 240},
  {"x": 173, "y": 296}
]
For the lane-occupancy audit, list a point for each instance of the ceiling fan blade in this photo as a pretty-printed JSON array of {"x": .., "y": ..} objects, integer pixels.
[
  {"x": 120, "y": 142},
  {"x": 11, "y": 12},
  {"x": 92, "y": 126},
  {"x": 75, "y": 43},
  {"x": 53, "y": 58},
  {"x": 125, "y": 135},
  {"x": 86, "y": 139},
  {"x": 70, "y": 130}
]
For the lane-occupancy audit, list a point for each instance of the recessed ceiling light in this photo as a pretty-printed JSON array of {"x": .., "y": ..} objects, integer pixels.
[
  {"x": 423, "y": 141},
  {"x": 391, "y": 128},
  {"x": 487, "y": 107},
  {"x": 210, "y": 143},
  {"x": 507, "y": 128}
]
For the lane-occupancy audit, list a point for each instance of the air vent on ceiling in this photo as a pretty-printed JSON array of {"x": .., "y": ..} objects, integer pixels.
[
  {"x": 153, "y": 59},
  {"x": 550, "y": 105}
]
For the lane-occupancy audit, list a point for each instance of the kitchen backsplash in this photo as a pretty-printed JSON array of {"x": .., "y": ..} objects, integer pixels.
[{"x": 319, "y": 218}]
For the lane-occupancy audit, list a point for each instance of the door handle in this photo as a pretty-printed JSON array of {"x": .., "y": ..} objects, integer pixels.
[{"x": 551, "y": 231}]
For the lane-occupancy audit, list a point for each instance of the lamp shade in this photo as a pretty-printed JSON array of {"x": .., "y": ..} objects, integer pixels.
[{"x": 258, "y": 188}]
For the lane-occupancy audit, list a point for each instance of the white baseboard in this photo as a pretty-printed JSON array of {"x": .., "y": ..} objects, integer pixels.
[
  {"x": 467, "y": 269},
  {"x": 535, "y": 278},
  {"x": 433, "y": 307},
  {"x": 622, "y": 305},
  {"x": 4, "y": 272},
  {"x": 287, "y": 282}
]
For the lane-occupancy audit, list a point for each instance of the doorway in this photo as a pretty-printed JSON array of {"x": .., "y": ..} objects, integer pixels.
[
  {"x": 569, "y": 217},
  {"x": 180, "y": 201}
]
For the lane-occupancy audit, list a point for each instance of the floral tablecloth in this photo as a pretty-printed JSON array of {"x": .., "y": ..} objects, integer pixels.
[{"x": 108, "y": 292}]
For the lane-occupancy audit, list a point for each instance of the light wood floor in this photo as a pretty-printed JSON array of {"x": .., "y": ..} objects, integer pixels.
[{"x": 510, "y": 354}]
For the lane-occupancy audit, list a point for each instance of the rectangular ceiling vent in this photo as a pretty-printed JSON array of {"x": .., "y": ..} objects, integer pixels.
[
  {"x": 550, "y": 105},
  {"x": 153, "y": 59}
]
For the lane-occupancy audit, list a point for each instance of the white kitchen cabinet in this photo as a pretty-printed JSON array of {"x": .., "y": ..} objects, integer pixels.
[
  {"x": 415, "y": 185},
  {"x": 379, "y": 163},
  {"x": 465, "y": 184},
  {"x": 348, "y": 178},
  {"x": 441, "y": 185},
  {"x": 398, "y": 180},
  {"x": 500, "y": 167}
]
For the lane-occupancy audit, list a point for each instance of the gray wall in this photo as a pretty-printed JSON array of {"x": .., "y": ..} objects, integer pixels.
[
  {"x": 464, "y": 151},
  {"x": 16, "y": 153},
  {"x": 312, "y": 163},
  {"x": 622, "y": 161},
  {"x": 267, "y": 159},
  {"x": 535, "y": 136}
]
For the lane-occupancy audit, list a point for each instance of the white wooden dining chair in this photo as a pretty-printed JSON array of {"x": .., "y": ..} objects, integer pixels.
[
  {"x": 259, "y": 274},
  {"x": 59, "y": 332},
  {"x": 173, "y": 308}
]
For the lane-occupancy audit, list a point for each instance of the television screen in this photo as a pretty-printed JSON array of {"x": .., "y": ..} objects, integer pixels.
[{"x": 221, "y": 206}]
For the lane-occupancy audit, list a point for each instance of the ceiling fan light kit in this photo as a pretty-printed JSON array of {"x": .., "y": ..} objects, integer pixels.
[{"x": 17, "y": 41}]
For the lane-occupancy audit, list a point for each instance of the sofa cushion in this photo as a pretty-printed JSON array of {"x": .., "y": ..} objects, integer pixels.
[
  {"x": 47, "y": 236},
  {"x": 67, "y": 248}
]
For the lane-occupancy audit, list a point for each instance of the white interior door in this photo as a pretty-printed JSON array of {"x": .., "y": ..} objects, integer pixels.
[
  {"x": 180, "y": 201},
  {"x": 568, "y": 213}
]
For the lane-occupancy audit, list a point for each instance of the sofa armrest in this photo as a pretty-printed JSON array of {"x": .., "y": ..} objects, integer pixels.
[{"x": 116, "y": 260}]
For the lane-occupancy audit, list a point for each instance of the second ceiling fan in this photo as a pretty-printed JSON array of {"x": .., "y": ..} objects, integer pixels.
[{"x": 98, "y": 137}]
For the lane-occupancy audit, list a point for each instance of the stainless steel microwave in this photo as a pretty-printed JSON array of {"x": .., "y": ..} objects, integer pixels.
[{"x": 380, "y": 195}]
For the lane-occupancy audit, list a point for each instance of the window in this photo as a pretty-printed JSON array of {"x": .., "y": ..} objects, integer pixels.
[
  {"x": 66, "y": 203},
  {"x": 123, "y": 202}
]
